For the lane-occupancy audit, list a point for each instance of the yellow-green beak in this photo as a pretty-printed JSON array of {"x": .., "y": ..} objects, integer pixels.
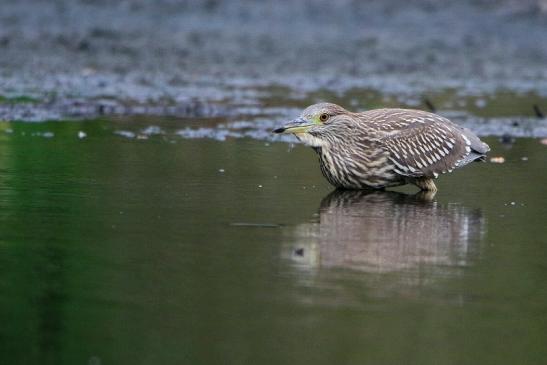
[{"x": 299, "y": 125}]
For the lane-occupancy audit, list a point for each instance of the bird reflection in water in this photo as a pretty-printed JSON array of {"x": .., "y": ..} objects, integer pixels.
[{"x": 387, "y": 231}]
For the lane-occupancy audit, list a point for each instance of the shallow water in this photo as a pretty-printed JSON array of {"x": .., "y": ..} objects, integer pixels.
[{"x": 123, "y": 243}]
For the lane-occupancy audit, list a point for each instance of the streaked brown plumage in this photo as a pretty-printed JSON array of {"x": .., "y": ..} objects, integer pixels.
[{"x": 384, "y": 147}]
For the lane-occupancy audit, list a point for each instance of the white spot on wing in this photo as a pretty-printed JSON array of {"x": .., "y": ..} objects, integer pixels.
[{"x": 404, "y": 168}]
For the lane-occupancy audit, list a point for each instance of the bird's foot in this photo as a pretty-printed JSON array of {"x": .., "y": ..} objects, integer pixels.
[{"x": 425, "y": 184}]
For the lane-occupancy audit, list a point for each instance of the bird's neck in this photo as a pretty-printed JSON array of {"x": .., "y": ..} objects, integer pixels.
[{"x": 310, "y": 140}]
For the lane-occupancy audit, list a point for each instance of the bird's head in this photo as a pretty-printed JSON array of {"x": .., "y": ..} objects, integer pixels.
[{"x": 318, "y": 124}]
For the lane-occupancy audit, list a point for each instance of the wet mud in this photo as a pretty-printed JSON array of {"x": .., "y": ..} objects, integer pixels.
[{"x": 246, "y": 60}]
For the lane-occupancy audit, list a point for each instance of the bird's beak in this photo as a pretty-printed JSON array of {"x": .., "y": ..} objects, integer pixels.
[{"x": 299, "y": 125}]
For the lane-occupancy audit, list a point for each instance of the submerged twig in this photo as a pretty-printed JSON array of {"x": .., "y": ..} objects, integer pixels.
[
  {"x": 430, "y": 105},
  {"x": 538, "y": 112}
]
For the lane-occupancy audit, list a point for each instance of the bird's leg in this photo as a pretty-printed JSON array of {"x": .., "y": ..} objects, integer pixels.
[{"x": 425, "y": 184}]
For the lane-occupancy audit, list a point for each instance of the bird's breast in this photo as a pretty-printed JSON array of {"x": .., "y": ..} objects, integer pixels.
[{"x": 357, "y": 168}]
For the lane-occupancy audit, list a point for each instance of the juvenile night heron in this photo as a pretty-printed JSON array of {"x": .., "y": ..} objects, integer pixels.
[{"x": 384, "y": 147}]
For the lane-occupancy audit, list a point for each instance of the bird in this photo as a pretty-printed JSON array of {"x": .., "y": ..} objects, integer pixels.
[{"x": 382, "y": 148}]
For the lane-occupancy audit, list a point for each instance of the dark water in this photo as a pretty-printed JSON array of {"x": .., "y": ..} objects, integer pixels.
[{"x": 163, "y": 250}]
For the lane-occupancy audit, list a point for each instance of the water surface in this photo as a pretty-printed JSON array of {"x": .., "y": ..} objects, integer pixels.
[{"x": 129, "y": 245}]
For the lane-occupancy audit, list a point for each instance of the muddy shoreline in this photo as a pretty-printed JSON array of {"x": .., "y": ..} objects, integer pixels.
[{"x": 236, "y": 59}]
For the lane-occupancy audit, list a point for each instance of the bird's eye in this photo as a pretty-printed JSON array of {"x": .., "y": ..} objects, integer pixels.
[{"x": 323, "y": 117}]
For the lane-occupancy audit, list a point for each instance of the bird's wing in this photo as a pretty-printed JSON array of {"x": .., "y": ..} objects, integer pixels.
[{"x": 425, "y": 144}]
